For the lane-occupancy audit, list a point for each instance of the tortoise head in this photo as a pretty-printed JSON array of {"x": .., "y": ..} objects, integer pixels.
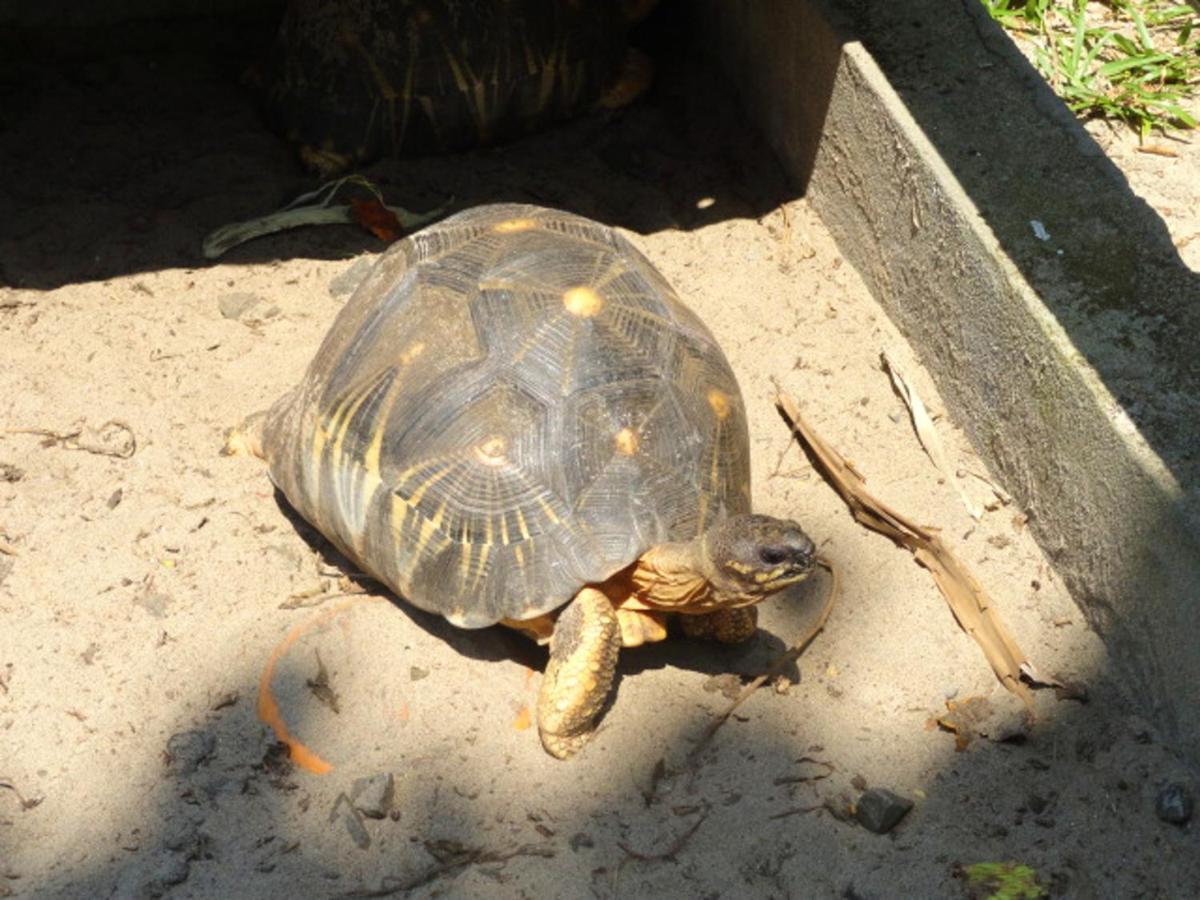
[{"x": 754, "y": 556}]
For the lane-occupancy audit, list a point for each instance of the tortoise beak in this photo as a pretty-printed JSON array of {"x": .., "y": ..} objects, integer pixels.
[{"x": 797, "y": 556}]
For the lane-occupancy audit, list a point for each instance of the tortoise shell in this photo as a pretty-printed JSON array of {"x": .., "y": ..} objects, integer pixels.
[
  {"x": 370, "y": 77},
  {"x": 513, "y": 404}
]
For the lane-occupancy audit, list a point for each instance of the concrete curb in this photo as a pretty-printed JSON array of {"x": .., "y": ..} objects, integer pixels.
[{"x": 1034, "y": 397}]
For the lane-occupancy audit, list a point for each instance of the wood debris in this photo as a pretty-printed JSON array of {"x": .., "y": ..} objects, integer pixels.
[{"x": 969, "y": 602}]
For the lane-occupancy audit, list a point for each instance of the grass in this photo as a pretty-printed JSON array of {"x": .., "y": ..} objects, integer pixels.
[
  {"x": 1134, "y": 61},
  {"x": 1003, "y": 881}
]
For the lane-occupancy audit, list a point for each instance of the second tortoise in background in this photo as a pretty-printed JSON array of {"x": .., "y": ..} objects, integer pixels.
[
  {"x": 516, "y": 420},
  {"x": 352, "y": 80}
]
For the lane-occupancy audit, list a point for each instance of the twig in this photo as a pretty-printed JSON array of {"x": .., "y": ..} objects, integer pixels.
[
  {"x": 778, "y": 666},
  {"x": 1157, "y": 150},
  {"x": 69, "y": 440},
  {"x": 25, "y": 804},
  {"x": 802, "y": 779},
  {"x": 799, "y": 810},
  {"x": 394, "y": 884},
  {"x": 670, "y": 852},
  {"x": 969, "y": 602}
]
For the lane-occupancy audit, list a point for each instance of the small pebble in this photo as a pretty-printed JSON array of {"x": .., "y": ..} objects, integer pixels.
[
  {"x": 580, "y": 840},
  {"x": 879, "y": 810},
  {"x": 1174, "y": 804}
]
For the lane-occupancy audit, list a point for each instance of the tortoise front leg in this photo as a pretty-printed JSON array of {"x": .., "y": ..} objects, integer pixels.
[
  {"x": 583, "y": 659},
  {"x": 729, "y": 626}
]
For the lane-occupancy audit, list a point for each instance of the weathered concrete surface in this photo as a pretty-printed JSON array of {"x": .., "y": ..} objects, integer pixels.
[{"x": 1069, "y": 362}]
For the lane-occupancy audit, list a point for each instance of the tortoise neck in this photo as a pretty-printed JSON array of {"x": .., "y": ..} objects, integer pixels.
[{"x": 678, "y": 576}]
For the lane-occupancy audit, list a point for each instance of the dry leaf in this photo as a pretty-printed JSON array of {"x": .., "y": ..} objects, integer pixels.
[
  {"x": 376, "y": 218},
  {"x": 1000, "y": 494},
  {"x": 927, "y": 433},
  {"x": 974, "y": 717}
]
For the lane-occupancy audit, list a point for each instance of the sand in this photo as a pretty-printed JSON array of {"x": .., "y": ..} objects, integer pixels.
[{"x": 146, "y": 580}]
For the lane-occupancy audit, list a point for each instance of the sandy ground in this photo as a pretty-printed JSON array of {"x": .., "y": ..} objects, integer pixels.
[{"x": 146, "y": 580}]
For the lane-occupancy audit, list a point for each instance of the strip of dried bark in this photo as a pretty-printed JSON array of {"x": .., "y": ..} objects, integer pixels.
[{"x": 971, "y": 605}]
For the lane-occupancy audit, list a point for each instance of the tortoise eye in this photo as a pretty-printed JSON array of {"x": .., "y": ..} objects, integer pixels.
[{"x": 771, "y": 556}]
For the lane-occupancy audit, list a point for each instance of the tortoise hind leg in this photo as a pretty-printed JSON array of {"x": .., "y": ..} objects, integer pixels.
[
  {"x": 583, "y": 659},
  {"x": 729, "y": 626}
]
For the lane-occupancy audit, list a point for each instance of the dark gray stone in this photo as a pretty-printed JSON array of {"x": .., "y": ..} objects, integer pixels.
[
  {"x": 580, "y": 840},
  {"x": 1175, "y": 804},
  {"x": 879, "y": 810}
]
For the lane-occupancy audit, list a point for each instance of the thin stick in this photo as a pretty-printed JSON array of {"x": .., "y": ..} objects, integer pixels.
[
  {"x": 779, "y": 665},
  {"x": 26, "y": 804},
  {"x": 670, "y": 852},
  {"x": 799, "y": 811},
  {"x": 70, "y": 440}
]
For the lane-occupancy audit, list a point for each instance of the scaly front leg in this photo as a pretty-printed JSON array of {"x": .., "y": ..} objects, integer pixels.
[{"x": 583, "y": 659}]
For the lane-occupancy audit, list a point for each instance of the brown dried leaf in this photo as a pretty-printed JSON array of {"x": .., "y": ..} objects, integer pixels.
[
  {"x": 927, "y": 432},
  {"x": 376, "y": 218}
]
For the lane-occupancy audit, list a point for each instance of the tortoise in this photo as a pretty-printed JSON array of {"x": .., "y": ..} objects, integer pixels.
[
  {"x": 515, "y": 420},
  {"x": 351, "y": 80}
]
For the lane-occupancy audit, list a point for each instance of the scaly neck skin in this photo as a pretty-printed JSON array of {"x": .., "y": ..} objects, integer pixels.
[{"x": 681, "y": 574}]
